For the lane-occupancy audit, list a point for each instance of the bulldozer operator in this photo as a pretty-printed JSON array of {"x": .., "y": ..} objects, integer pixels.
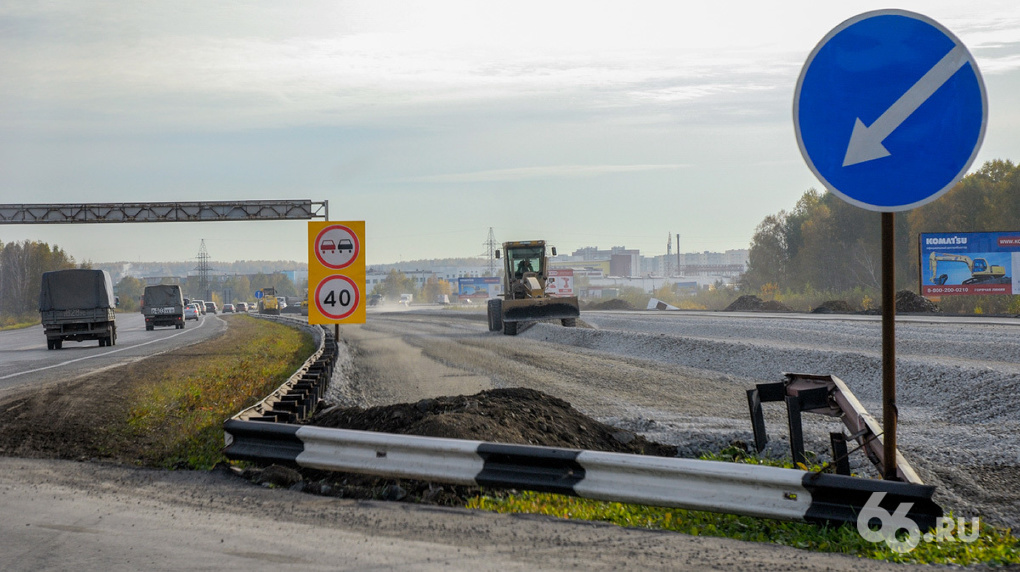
[{"x": 524, "y": 266}]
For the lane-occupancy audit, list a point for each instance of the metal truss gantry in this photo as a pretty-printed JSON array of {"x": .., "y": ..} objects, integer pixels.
[{"x": 163, "y": 212}]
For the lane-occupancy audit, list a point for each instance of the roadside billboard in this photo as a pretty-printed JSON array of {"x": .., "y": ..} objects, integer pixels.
[
  {"x": 478, "y": 288},
  {"x": 560, "y": 282},
  {"x": 969, "y": 263}
]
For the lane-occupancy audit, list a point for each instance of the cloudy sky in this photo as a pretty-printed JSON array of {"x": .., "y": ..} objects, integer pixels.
[{"x": 583, "y": 123}]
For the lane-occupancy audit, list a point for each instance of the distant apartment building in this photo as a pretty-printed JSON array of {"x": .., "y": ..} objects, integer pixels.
[{"x": 609, "y": 269}]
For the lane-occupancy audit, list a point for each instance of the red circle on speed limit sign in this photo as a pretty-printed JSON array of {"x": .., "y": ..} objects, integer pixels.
[{"x": 337, "y": 297}]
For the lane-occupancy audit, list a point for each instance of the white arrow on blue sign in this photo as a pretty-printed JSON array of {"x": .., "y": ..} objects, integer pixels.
[{"x": 890, "y": 110}]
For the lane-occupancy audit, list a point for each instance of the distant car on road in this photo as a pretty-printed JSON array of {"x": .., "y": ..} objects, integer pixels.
[
  {"x": 228, "y": 308},
  {"x": 191, "y": 312},
  {"x": 241, "y": 306},
  {"x": 210, "y": 307}
]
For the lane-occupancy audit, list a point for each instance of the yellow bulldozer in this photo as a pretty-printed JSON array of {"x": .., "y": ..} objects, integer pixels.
[{"x": 524, "y": 297}]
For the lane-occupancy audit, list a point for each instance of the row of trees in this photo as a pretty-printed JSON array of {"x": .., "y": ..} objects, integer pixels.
[
  {"x": 826, "y": 244},
  {"x": 21, "y": 268}
]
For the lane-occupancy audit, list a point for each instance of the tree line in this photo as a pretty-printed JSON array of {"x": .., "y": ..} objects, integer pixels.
[
  {"x": 21, "y": 268},
  {"x": 827, "y": 244}
]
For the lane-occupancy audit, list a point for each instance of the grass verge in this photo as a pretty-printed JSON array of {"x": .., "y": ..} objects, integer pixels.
[
  {"x": 180, "y": 416},
  {"x": 993, "y": 546}
]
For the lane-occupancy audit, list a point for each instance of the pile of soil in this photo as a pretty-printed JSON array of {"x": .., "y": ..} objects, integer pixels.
[
  {"x": 834, "y": 307},
  {"x": 907, "y": 301},
  {"x": 752, "y": 303},
  {"x": 614, "y": 304},
  {"x": 746, "y": 303},
  {"x": 515, "y": 415}
]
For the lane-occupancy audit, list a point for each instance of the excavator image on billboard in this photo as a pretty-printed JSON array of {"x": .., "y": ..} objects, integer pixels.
[
  {"x": 980, "y": 271},
  {"x": 524, "y": 296}
]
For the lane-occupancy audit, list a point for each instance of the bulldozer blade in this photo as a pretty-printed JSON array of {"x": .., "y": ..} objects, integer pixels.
[{"x": 534, "y": 309}]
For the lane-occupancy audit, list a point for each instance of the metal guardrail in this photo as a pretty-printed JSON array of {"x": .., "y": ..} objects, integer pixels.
[
  {"x": 825, "y": 395},
  {"x": 730, "y": 488},
  {"x": 297, "y": 397}
]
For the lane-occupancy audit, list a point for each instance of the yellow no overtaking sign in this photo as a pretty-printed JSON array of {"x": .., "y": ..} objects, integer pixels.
[{"x": 336, "y": 272}]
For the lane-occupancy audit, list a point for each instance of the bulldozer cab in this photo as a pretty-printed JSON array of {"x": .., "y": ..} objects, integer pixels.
[{"x": 521, "y": 260}]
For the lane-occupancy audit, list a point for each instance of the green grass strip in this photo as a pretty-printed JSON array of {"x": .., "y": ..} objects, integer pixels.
[
  {"x": 993, "y": 546},
  {"x": 182, "y": 416}
]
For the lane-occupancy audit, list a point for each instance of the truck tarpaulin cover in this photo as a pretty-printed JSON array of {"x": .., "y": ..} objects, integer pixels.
[
  {"x": 76, "y": 289},
  {"x": 163, "y": 295}
]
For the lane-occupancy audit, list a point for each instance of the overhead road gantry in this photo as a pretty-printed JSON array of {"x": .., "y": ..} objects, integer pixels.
[{"x": 199, "y": 211}]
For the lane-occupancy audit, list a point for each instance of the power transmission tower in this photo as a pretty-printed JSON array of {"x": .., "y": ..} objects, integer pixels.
[
  {"x": 203, "y": 272},
  {"x": 490, "y": 252}
]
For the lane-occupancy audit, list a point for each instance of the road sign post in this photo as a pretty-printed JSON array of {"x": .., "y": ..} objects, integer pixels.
[
  {"x": 889, "y": 111},
  {"x": 336, "y": 272}
]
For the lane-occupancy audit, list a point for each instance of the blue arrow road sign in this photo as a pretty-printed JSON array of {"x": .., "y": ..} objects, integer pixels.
[{"x": 890, "y": 110}]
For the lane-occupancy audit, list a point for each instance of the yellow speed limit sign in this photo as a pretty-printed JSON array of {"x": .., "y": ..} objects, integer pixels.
[{"x": 336, "y": 272}]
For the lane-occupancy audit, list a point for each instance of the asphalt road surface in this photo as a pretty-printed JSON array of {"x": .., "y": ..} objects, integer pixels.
[{"x": 25, "y": 361}]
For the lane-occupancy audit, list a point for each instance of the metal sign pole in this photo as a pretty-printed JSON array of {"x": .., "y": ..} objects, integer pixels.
[{"x": 889, "y": 412}]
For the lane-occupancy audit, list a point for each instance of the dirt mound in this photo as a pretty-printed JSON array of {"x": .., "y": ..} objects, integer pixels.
[
  {"x": 746, "y": 303},
  {"x": 834, "y": 307},
  {"x": 752, "y": 303},
  {"x": 516, "y": 415},
  {"x": 907, "y": 301},
  {"x": 775, "y": 306},
  {"x": 614, "y": 304}
]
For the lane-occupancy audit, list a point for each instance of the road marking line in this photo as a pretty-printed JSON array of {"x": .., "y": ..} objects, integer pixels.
[{"x": 93, "y": 356}]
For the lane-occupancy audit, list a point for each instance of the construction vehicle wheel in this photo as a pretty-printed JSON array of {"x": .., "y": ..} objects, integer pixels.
[
  {"x": 569, "y": 322},
  {"x": 510, "y": 328},
  {"x": 495, "y": 312}
]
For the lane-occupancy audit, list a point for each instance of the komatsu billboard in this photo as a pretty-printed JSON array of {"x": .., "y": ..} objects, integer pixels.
[{"x": 969, "y": 263}]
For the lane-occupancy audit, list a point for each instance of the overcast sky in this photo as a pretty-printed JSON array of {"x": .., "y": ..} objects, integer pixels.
[{"x": 582, "y": 123}]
